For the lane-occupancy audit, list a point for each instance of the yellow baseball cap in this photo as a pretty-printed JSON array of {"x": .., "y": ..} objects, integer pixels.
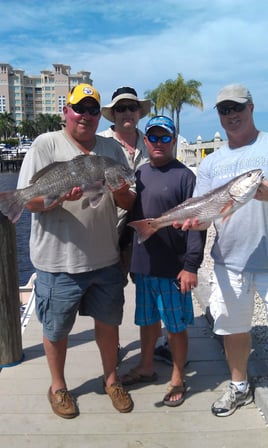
[{"x": 82, "y": 91}]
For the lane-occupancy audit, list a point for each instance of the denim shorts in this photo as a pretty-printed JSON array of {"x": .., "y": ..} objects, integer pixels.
[
  {"x": 232, "y": 299},
  {"x": 159, "y": 299},
  {"x": 59, "y": 295}
]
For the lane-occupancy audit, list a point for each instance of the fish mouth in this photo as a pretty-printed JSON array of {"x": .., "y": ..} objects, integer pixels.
[{"x": 261, "y": 176}]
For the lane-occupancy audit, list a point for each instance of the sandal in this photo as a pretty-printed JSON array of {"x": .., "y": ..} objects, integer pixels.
[
  {"x": 134, "y": 377},
  {"x": 171, "y": 392}
]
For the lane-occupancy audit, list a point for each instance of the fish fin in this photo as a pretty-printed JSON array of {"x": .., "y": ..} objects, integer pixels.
[
  {"x": 227, "y": 209},
  {"x": 225, "y": 218},
  {"x": 144, "y": 228},
  {"x": 11, "y": 205},
  {"x": 95, "y": 200},
  {"x": 85, "y": 203}
]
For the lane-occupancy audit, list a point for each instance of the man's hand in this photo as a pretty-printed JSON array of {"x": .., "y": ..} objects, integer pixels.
[
  {"x": 187, "y": 280},
  {"x": 191, "y": 224},
  {"x": 262, "y": 192},
  {"x": 75, "y": 194},
  {"x": 124, "y": 197}
]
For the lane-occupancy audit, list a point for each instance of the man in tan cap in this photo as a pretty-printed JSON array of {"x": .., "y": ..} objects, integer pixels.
[{"x": 75, "y": 251}]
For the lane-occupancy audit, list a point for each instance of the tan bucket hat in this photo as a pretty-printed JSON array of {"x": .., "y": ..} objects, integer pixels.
[{"x": 125, "y": 93}]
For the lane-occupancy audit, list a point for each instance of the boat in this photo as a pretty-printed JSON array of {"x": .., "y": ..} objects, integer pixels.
[{"x": 27, "y": 301}]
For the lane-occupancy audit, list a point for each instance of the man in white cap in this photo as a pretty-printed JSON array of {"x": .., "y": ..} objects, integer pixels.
[{"x": 241, "y": 244}]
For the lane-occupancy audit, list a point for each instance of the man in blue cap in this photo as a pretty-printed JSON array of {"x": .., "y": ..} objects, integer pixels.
[{"x": 165, "y": 266}]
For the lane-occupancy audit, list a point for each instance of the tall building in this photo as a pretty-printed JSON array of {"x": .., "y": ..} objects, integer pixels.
[{"x": 27, "y": 96}]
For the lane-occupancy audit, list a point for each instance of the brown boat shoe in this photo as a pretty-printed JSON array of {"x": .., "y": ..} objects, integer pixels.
[
  {"x": 121, "y": 399},
  {"x": 62, "y": 403}
]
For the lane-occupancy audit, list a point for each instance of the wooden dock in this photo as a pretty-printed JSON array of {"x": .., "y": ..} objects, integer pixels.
[
  {"x": 12, "y": 164},
  {"x": 26, "y": 419}
]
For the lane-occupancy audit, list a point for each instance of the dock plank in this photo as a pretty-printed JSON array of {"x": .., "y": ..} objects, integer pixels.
[{"x": 26, "y": 419}]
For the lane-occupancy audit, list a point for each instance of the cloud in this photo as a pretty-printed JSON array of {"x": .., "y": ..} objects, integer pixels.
[{"x": 143, "y": 44}]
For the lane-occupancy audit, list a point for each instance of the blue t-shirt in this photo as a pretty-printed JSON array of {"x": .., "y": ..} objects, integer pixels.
[{"x": 168, "y": 251}]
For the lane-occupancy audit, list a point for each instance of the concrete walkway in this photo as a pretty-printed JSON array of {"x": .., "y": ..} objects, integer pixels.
[{"x": 26, "y": 419}]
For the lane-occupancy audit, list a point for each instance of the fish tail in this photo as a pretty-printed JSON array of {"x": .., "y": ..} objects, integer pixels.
[
  {"x": 11, "y": 204},
  {"x": 144, "y": 228}
]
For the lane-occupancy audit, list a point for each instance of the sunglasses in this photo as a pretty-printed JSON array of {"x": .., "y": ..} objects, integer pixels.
[
  {"x": 163, "y": 138},
  {"x": 130, "y": 107},
  {"x": 226, "y": 110},
  {"x": 83, "y": 108}
]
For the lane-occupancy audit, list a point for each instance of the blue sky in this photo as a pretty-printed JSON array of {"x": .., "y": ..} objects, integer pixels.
[{"x": 143, "y": 43}]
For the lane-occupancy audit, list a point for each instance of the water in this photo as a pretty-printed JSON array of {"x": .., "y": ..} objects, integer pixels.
[{"x": 8, "y": 181}]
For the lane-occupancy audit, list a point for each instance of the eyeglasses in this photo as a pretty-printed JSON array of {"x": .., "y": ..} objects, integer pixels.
[
  {"x": 130, "y": 107},
  {"x": 226, "y": 110},
  {"x": 83, "y": 108},
  {"x": 163, "y": 138}
]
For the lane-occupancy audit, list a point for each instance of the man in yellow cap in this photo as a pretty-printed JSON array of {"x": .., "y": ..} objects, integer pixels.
[{"x": 75, "y": 251}]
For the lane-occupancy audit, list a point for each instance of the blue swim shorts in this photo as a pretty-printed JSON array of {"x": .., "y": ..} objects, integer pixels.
[
  {"x": 59, "y": 295},
  {"x": 157, "y": 299}
]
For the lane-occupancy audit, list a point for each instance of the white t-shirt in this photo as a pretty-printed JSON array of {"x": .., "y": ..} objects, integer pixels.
[{"x": 241, "y": 242}]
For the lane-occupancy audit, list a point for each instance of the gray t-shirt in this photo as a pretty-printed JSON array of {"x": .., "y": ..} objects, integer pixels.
[{"x": 70, "y": 238}]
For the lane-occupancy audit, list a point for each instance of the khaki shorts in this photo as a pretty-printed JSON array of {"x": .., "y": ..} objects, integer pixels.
[{"x": 232, "y": 299}]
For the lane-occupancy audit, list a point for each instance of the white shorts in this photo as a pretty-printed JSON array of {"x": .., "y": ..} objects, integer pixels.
[{"x": 232, "y": 299}]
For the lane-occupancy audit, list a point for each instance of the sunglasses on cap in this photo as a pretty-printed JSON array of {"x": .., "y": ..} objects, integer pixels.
[
  {"x": 163, "y": 138},
  {"x": 226, "y": 110},
  {"x": 123, "y": 108},
  {"x": 83, "y": 108}
]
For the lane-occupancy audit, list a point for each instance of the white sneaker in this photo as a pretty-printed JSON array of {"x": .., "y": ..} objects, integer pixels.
[{"x": 230, "y": 400}]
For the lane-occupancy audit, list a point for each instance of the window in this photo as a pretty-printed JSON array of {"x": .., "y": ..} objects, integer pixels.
[{"x": 2, "y": 103}]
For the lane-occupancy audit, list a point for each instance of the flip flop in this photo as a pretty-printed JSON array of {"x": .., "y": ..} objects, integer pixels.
[
  {"x": 134, "y": 377},
  {"x": 171, "y": 392}
]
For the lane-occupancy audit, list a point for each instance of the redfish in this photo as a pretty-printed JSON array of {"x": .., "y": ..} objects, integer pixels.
[{"x": 218, "y": 203}]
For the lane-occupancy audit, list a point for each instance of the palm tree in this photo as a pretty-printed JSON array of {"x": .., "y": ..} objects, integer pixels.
[
  {"x": 171, "y": 96},
  {"x": 7, "y": 125},
  {"x": 27, "y": 127},
  {"x": 46, "y": 123},
  {"x": 153, "y": 96}
]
